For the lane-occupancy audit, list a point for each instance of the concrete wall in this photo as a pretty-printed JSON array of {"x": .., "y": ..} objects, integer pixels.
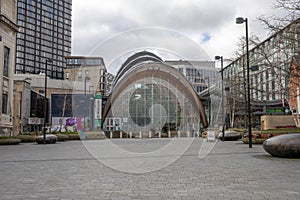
[{"x": 276, "y": 121}]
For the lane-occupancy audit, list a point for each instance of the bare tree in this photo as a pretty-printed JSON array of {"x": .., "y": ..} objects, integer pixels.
[{"x": 277, "y": 23}]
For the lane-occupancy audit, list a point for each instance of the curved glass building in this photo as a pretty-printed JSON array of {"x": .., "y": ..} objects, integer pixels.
[{"x": 149, "y": 95}]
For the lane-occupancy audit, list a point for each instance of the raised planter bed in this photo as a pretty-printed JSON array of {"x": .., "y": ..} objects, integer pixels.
[
  {"x": 74, "y": 136},
  {"x": 26, "y": 138},
  {"x": 62, "y": 137},
  {"x": 9, "y": 141},
  {"x": 254, "y": 140}
]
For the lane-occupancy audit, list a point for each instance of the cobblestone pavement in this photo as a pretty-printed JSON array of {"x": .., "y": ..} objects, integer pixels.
[{"x": 66, "y": 170}]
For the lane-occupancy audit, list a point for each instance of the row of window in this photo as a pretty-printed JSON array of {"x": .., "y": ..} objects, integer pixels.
[
  {"x": 72, "y": 62},
  {"x": 5, "y": 73},
  {"x": 34, "y": 52},
  {"x": 53, "y": 42},
  {"x": 79, "y": 74}
]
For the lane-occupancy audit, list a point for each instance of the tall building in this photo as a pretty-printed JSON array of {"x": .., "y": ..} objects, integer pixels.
[
  {"x": 273, "y": 58},
  {"x": 44, "y": 33},
  {"x": 274, "y": 61},
  {"x": 8, "y": 31}
]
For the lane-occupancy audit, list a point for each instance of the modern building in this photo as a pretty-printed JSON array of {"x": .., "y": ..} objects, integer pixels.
[
  {"x": 151, "y": 98},
  {"x": 201, "y": 74},
  {"x": 29, "y": 100},
  {"x": 44, "y": 33},
  {"x": 8, "y": 31},
  {"x": 88, "y": 70},
  {"x": 273, "y": 58},
  {"x": 206, "y": 81}
]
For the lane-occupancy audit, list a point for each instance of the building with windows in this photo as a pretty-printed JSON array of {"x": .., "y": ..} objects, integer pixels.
[
  {"x": 8, "y": 31},
  {"x": 29, "y": 99},
  {"x": 201, "y": 74},
  {"x": 90, "y": 70},
  {"x": 273, "y": 58},
  {"x": 44, "y": 33},
  {"x": 206, "y": 81},
  {"x": 150, "y": 98}
]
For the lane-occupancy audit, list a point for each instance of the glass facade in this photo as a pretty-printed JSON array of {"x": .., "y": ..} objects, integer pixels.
[
  {"x": 44, "y": 32},
  {"x": 154, "y": 104},
  {"x": 152, "y": 97}
]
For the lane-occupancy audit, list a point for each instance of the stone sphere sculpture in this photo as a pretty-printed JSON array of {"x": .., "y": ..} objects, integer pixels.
[
  {"x": 49, "y": 139},
  {"x": 230, "y": 136},
  {"x": 284, "y": 146}
]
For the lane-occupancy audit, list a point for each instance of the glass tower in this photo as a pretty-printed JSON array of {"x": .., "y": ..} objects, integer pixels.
[{"x": 44, "y": 33}]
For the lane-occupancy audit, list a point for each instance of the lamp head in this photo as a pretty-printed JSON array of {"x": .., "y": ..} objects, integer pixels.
[
  {"x": 240, "y": 20},
  {"x": 218, "y": 57}
]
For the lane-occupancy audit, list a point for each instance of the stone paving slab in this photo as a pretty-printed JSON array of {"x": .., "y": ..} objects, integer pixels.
[{"x": 67, "y": 170}]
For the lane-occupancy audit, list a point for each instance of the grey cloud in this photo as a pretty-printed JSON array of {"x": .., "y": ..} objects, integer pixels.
[
  {"x": 162, "y": 40},
  {"x": 95, "y": 22}
]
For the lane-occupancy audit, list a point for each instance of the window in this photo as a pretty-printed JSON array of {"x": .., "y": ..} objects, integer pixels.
[
  {"x": 79, "y": 74},
  {"x": 6, "y": 61},
  {"x": 4, "y": 103}
]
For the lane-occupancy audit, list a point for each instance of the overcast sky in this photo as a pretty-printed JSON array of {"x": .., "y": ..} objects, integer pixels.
[{"x": 188, "y": 29}]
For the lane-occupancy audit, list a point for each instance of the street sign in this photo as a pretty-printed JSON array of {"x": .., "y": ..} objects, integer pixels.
[
  {"x": 98, "y": 108},
  {"x": 211, "y": 135}
]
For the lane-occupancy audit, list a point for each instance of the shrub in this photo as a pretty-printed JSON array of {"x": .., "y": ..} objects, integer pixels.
[
  {"x": 26, "y": 138},
  {"x": 62, "y": 137},
  {"x": 73, "y": 136},
  {"x": 9, "y": 141}
]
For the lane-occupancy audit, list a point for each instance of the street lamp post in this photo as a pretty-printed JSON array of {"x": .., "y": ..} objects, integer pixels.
[
  {"x": 222, "y": 99},
  {"x": 209, "y": 101},
  {"x": 45, "y": 98},
  {"x": 241, "y": 20},
  {"x": 85, "y": 79}
]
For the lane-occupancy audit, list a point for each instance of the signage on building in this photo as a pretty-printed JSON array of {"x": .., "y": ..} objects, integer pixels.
[
  {"x": 35, "y": 120},
  {"x": 98, "y": 107}
]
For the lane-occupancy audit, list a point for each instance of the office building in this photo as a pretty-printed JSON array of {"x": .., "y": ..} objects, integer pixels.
[
  {"x": 44, "y": 33},
  {"x": 201, "y": 74},
  {"x": 274, "y": 60}
]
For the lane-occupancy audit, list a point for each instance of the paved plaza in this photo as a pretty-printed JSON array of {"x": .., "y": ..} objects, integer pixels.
[{"x": 181, "y": 168}]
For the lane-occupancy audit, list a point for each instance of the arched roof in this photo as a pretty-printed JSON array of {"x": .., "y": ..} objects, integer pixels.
[
  {"x": 136, "y": 59},
  {"x": 146, "y": 65}
]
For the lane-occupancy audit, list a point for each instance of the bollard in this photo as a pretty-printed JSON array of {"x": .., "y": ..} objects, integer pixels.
[
  {"x": 140, "y": 134},
  {"x": 178, "y": 133},
  {"x": 169, "y": 134},
  {"x": 111, "y": 135},
  {"x": 121, "y": 134},
  {"x": 130, "y": 134},
  {"x": 159, "y": 134},
  {"x": 149, "y": 134}
]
